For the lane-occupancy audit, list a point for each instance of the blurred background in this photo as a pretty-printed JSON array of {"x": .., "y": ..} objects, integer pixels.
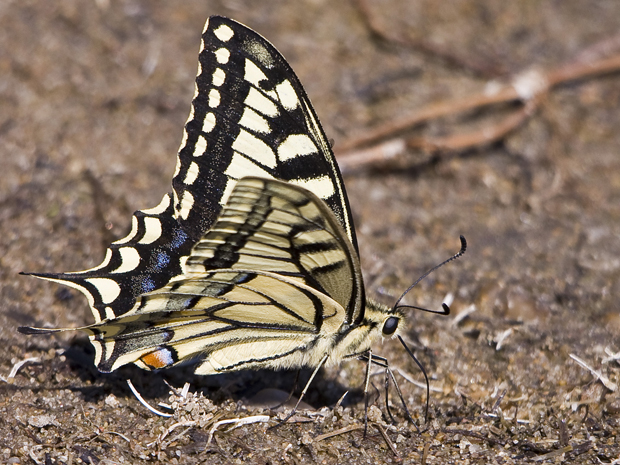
[{"x": 500, "y": 121}]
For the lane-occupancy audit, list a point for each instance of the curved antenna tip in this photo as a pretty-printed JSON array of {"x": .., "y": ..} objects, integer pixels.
[
  {"x": 445, "y": 308},
  {"x": 463, "y": 245}
]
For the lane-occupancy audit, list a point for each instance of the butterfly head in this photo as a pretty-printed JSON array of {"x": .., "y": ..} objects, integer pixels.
[{"x": 385, "y": 321}]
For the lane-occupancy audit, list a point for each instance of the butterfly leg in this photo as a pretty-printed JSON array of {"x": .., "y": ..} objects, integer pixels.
[
  {"x": 303, "y": 393},
  {"x": 389, "y": 374},
  {"x": 366, "y": 384},
  {"x": 290, "y": 394}
]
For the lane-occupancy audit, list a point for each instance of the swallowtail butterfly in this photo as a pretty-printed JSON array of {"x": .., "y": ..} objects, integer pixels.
[{"x": 251, "y": 261}]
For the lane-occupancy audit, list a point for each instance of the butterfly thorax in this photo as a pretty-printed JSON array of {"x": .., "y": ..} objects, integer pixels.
[{"x": 379, "y": 322}]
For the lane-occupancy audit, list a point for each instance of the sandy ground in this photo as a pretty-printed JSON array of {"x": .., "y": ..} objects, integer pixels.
[{"x": 93, "y": 98}]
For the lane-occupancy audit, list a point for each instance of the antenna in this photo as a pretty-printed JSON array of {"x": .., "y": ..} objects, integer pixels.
[{"x": 445, "y": 309}]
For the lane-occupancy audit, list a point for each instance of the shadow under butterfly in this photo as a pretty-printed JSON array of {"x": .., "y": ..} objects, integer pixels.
[{"x": 252, "y": 261}]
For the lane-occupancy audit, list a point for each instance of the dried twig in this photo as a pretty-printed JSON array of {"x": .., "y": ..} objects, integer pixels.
[
  {"x": 427, "y": 448},
  {"x": 17, "y": 366},
  {"x": 553, "y": 453},
  {"x": 387, "y": 440},
  {"x": 529, "y": 87},
  {"x": 501, "y": 337},
  {"x": 237, "y": 423},
  {"x": 612, "y": 356},
  {"x": 409, "y": 378},
  {"x": 462, "y": 315},
  {"x": 144, "y": 402},
  {"x": 338, "y": 432}
]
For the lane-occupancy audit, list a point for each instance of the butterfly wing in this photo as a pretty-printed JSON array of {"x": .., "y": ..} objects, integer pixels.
[
  {"x": 289, "y": 282},
  {"x": 228, "y": 320},
  {"x": 278, "y": 227},
  {"x": 250, "y": 117},
  {"x": 145, "y": 260}
]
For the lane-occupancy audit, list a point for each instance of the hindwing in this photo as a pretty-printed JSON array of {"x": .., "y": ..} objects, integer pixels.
[{"x": 285, "y": 284}]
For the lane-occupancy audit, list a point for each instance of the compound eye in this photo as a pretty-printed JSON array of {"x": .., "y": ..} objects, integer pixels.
[{"x": 390, "y": 326}]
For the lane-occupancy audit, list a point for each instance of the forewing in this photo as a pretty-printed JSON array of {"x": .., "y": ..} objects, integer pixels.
[
  {"x": 250, "y": 117},
  {"x": 145, "y": 260}
]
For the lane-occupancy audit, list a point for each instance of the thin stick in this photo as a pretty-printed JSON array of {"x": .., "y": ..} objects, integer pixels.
[
  {"x": 344, "y": 430},
  {"x": 552, "y": 454},
  {"x": 237, "y": 422},
  {"x": 529, "y": 87},
  {"x": 144, "y": 402},
  {"x": 303, "y": 393},
  {"x": 368, "y": 365},
  {"x": 409, "y": 378},
  {"x": 18, "y": 367},
  {"x": 387, "y": 439}
]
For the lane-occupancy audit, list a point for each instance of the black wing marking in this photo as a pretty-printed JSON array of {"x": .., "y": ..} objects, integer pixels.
[
  {"x": 141, "y": 262},
  {"x": 278, "y": 227},
  {"x": 291, "y": 282},
  {"x": 250, "y": 117},
  {"x": 217, "y": 318}
]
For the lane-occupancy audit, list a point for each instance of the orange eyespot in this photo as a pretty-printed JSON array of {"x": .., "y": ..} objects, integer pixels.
[{"x": 160, "y": 358}]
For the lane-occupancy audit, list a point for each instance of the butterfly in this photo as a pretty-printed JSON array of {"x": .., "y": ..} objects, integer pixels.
[{"x": 252, "y": 260}]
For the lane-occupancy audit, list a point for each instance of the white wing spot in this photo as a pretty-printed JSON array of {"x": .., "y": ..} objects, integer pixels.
[
  {"x": 230, "y": 184},
  {"x": 163, "y": 205},
  {"x": 152, "y": 230},
  {"x": 104, "y": 263},
  {"x": 109, "y": 313},
  {"x": 222, "y": 56},
  {"x": 192, "y": 173},
  {"x": 255, "y": 148},
  {"x": 130, "y": 259},
  {"x": 259, "y": 102},
  {"x": 287, "y": 95},
  {"x": 241, "y": 166},
  {"x": 323, "y": 186},
  {"x": 201, "y": 146},
  {"x": 184, "y": 138},
  {"x": 214, "y": 98},
  {"x": 186, "y": 205},
  {"x": 253, "y": 73},
  {"x": 252, "y": 120},
  {"x": 209, "y": 123},
  {"x": 224, "y": 33},
  {"x": 182, "y": 261},
  {"x": 296, "y": 145},
  {"x": 177, "y": 168},
  {"x": 132, "y": 233},
  {"x": 108, "y": 289},
  {"x": 218, "y": 77}
]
